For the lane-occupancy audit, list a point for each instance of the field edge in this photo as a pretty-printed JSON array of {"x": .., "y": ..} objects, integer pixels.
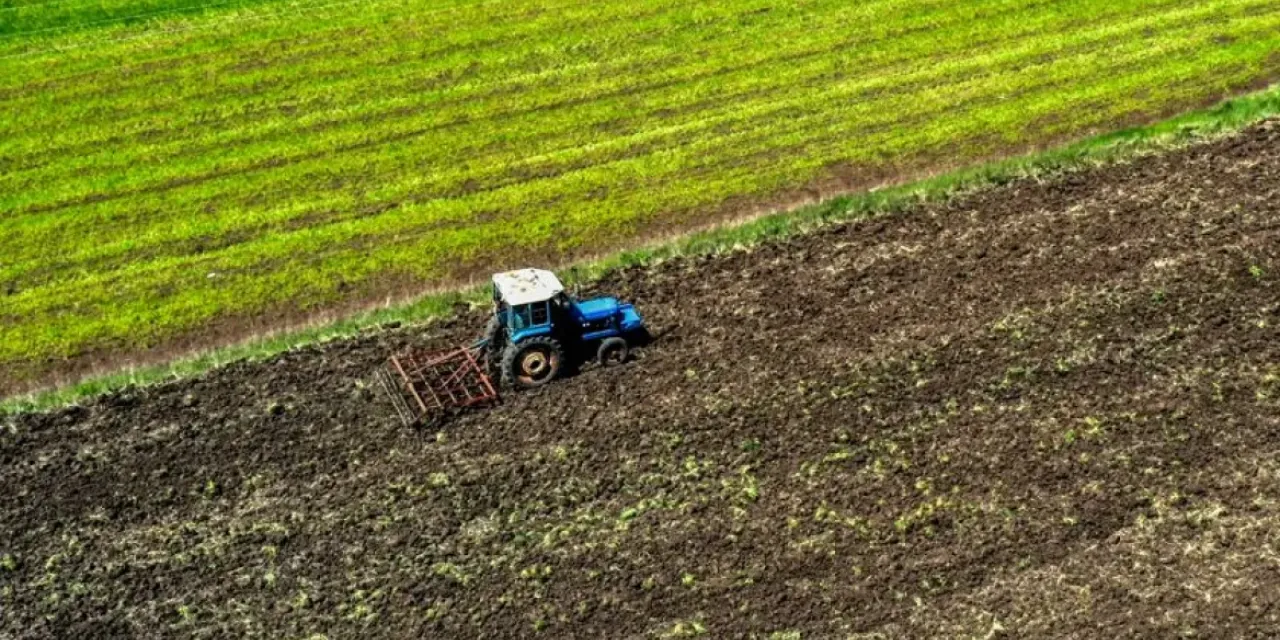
[{"x": 1190, "y": 128}]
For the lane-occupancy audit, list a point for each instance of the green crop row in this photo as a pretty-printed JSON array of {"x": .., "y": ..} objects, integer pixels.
[
  {"x": 753, "y": 99},
  {"x": 32, "y": 18},
  {"x": 1226, "y": 117},
  {"x": 506, "y": 167},
  {"x": 160, "y": 179}
]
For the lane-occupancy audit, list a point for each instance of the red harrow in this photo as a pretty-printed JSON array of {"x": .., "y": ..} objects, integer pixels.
[{"x": 424, "y": 387}]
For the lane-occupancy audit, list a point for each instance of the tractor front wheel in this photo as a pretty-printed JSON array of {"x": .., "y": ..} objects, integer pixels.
[
  {"x": 612, "y": 351},
  {"x": 532, "y": 363}
]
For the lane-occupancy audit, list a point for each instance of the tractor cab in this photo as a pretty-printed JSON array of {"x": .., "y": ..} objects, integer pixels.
[
  {"x": 536, "y": 324},
  {"x": 525, "y": 301}
]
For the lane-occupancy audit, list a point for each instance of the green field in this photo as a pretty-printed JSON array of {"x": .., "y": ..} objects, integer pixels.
[{"x": 169, "y": 168}]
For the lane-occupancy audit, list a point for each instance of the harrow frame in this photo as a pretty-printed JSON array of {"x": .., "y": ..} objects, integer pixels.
[{"x": 425, "y": 385}]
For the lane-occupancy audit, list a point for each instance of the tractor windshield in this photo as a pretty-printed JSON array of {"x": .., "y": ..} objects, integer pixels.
[
  {"x": 528, "y": 315},
  {"x": 518, "y": 317}
]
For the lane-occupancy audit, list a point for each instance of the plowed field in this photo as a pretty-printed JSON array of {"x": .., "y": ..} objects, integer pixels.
[{"x": 1048, "y": 408}]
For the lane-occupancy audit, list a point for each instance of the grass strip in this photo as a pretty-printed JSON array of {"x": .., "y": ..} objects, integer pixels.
[{"x": 1228, "y": 116}]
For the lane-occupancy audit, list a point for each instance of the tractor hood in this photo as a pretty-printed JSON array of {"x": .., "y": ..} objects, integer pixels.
[
  {"x": 597, "y": 309},
  {"x": 609, "y": 309}
]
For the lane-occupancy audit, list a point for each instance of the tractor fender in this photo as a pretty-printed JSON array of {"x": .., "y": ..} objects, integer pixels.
[{"x": 532, "y": 332}]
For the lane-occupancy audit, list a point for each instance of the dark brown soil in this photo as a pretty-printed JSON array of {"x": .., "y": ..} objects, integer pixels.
[{"x": 1047, "y": 409}]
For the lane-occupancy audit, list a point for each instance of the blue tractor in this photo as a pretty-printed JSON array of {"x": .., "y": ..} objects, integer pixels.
[{"x": 536, "y": 327}]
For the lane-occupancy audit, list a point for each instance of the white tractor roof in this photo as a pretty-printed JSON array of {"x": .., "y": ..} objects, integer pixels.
[{"x": 527, "y": 285}]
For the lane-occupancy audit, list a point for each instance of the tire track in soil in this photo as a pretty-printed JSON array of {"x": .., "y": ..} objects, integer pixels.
[{"x": 900, "y": 425}]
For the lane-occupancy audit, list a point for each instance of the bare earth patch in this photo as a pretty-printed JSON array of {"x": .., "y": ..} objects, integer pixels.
[{"x": 1046, "y": 409}]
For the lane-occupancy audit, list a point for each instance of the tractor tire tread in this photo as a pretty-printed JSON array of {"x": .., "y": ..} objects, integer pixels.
[
  {"x": 514, "y": 351},
  {"x": 610, "y": 346},
  {"x": 495, "y": 345}
]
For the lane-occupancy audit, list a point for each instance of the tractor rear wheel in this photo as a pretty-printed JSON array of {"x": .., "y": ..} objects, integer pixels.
[
  {"x": 532, "y": 363},
  {"x": 612, "y": 351}
]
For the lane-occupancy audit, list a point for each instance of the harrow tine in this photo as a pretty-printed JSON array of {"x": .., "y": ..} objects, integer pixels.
[
  {"x": 433, "y": 385},
  {"x": 409, "y": 386},
  {"x": 392, "y": 391}
]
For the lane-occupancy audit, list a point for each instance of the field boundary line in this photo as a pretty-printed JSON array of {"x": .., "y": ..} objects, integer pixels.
[{"x": 753, "y": 229}]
